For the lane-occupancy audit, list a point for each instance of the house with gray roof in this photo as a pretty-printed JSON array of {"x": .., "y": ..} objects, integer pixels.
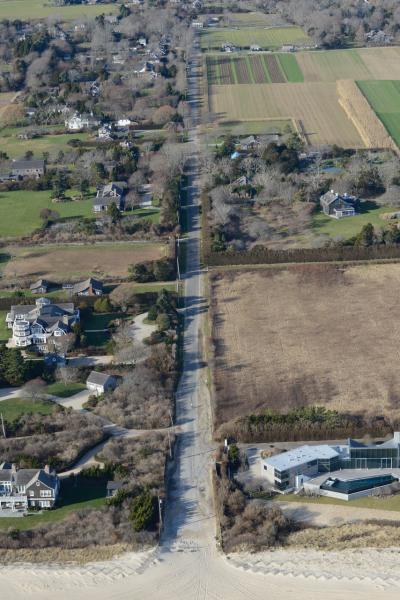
[
  {"x": 99, "y": 383},
  {"x": 41, "y": 286},
  {"x": 21, "y": 489},
  {"x": 89, "y": 287},
  {"x": 28, "y": 169},
  {"x": 113, "y": 192},
  {"x": 338, "y": 205},
  {"x": 33, "y": 325}
]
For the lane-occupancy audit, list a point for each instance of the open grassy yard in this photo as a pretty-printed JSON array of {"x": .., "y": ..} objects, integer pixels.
[
  {"x": 314, "y": 105},
  {"x": 20, "y": 210},
  {"x": 79, "y": 261},
  {"x": 64, "y": 390},
  {"x": 14, "y": 408},
  {"x": 15, "y": 147},
  {"x": 271, "y": 38},
  {"x": 351, "y": 226},
  {"x": 384, "y": 97},
  {"x": 88, "y": 493},
  {"x": 306, "y": 335},
  {"x": 41, "y": 9}
]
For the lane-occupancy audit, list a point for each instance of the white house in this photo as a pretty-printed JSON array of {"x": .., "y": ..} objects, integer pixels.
[
  {"x": 77, "y": 122},
  {"x": 99, "y": 383}
]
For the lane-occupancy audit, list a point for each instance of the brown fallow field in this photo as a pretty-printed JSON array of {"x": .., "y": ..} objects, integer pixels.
[
  {"x": 321, "y": 335},
  {"x": 315, "y": 105},
  {"x": 73, "y": 261}
]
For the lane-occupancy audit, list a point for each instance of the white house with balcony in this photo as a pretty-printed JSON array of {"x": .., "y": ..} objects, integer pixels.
[{"x": 33, "y": 325}]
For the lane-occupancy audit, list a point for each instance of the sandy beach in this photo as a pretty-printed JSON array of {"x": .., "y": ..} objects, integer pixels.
[{"x": 190, "y": 570}]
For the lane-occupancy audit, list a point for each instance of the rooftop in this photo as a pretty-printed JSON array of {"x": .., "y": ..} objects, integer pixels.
[{"x": 301, "y": 455}]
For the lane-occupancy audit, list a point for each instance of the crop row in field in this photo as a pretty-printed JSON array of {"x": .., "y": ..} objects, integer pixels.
[
  {"x": 261, "y": 68},
  {"x": 384, "y": 98}
]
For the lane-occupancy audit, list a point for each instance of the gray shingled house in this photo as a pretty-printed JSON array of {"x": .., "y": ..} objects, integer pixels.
[
  {"x": 21, "y": 489},
  {"x": 338, "y": 205}
]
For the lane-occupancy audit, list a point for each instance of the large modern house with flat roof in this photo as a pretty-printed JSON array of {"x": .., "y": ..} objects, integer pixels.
[{"x": 299, "y": 467}]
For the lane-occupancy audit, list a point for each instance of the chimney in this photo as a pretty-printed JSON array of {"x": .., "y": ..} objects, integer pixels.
[{"x": 47, "y": 469}]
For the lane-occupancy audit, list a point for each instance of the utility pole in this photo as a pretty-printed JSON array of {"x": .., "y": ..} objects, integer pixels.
[
  {"x": 169, "y": 444},
  {"x": 2, "y": 425},
  {"x": 170, "y": 416},
  {"x": 177, "y": 259},
  {"x": 160, "y": 522}
]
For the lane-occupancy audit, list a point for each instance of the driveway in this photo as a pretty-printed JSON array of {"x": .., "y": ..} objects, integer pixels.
[
  {"x": 142, "y": 330},
  {"x": 90, "y": 361}
]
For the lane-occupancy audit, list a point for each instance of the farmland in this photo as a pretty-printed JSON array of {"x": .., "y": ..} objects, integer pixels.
[
  {"x": 310, "y": 67},
  {"x": 40, "y": 9},
  {"x": 384, "y": 97},
  {"x": 253, "y": 68},
  {"x": 78, "y": 261},
  {"x": 336, "y": 343},
  {"x": 267, "y": 38},
  {"x": 315, "y": 105}
]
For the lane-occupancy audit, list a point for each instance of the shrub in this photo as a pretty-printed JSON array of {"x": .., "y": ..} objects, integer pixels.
[
  {"x": 143, "y": 511},
  {"x": 102, "y": 305}
]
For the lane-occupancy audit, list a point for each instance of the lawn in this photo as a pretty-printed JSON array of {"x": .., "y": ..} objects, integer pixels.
[
  {"x": 384, "y": 97},
  {"x": 16, "y": 148},
  {"x": 273, "y": 37},
  {"x": 5, "y": 333},
  {"x": 389, "y": 503},
  {"x": 244, "y": 128},
  {"x": 150, "y": 214},
  {"x": 64, "y": 390},
  {"x": 14, "y": 408},
  {"x": 75, "y": 494},
  {"x": 96, "y": 327},
  {"x": 41, "y": 9},
  {"x": 350, "y": 226},
  {"x": 20, "y": 211}
]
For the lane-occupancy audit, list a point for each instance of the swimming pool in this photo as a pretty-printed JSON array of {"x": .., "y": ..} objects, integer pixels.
[{"x": 352, "y": 486}]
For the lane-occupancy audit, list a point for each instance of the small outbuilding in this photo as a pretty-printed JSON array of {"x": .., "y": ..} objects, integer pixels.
[{"x": 99, "y": 383}]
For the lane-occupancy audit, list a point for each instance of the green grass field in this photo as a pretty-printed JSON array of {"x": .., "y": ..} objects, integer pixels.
[
  {"x": 384, "y": 97},
  {"x": 20, "y": 211},
  {"x": 290, "y": 67},
  {"x": 271, "y": 38},
  {"x": 390, "y": 503},
  {"x": 14, "y": 408},
  {"x": 16, "y": 148},
  {"x": 64, "y": 390},
  {"x": 41, "y": 9},
  {"x": 86, "y": 493},
  {"x": 100, "y": 321},
  {"x": 350, "y": 226},
  {"x": 244, "y": 128},
  {"x": 4, "y": 331}
]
